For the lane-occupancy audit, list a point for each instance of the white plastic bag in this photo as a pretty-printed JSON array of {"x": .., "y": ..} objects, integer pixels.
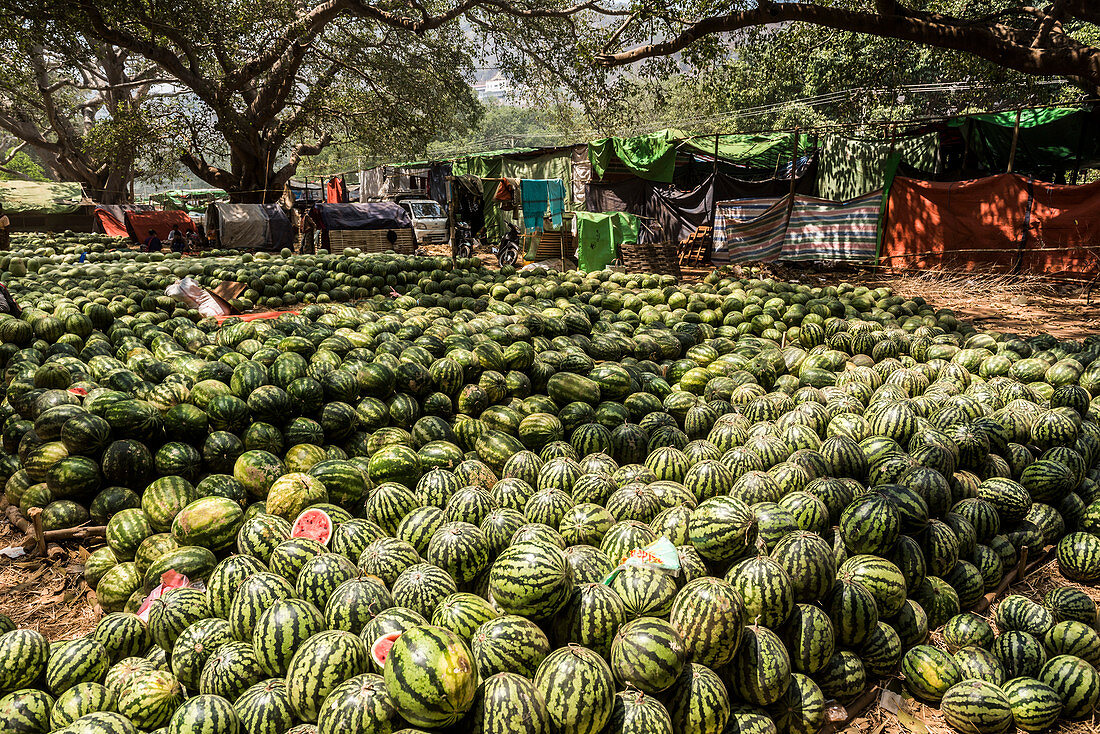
[{"x": 189, "y": 292}]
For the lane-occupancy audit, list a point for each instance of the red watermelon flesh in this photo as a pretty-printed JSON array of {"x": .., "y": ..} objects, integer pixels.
[
  {"x": 381, "y": 647},
  {"x": 313, "y": 524}
]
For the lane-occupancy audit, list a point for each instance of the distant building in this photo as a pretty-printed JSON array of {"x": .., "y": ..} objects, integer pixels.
[{"x": 496, "y": 87}]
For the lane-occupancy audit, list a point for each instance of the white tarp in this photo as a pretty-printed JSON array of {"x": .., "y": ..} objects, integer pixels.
[{"x": 240, "y": 226}]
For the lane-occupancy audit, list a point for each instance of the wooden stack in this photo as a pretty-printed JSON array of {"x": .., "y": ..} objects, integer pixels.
[
  {"x": 371, "y": 240},
  {"x": 693, "y": 250},
  {"x": 660, "y": 258}
]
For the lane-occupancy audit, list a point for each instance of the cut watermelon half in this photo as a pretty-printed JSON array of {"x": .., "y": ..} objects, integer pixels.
[
  {"x": 313, "y": 524},
  {"x": 381, "y": 648}
]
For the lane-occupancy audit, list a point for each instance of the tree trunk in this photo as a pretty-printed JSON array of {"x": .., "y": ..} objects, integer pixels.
[{"x": 250, "y": 178}]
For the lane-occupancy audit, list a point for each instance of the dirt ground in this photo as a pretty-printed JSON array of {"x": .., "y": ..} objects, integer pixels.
[{"x": 46, "y": 594}]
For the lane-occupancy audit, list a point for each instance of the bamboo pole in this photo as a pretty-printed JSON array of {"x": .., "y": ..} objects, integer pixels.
[{"x": 1015, "y": 143}]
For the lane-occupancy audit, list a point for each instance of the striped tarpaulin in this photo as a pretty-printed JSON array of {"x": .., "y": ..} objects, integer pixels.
[
  {"x": 820, "y": 229},
  {"x": 749, "y": 229}
]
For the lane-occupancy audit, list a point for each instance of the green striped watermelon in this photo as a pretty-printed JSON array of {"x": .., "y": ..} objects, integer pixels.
[
  {"x": 1075, "y": 681},
  {"x": 508, "y": 644},
  {"x": 506, "y": 703},
  {"x": 430, "y": 676},
  {"x": 647, "y": 653},
  {"x": 977, "y": 707},
  {"x": 578, "y": 688},
  {"x": 320, "y": 664},
  {"x": 1035, "y": 705},
  {"x": 281, "y": 629},
  {"x": 205, "y": 714},
  {"x": 532, "y": 579}
]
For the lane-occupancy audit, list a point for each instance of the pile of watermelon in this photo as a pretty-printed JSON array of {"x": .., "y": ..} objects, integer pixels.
[
  {"x": 539, "y": 502},
  {"x": 105, "y": 271}
]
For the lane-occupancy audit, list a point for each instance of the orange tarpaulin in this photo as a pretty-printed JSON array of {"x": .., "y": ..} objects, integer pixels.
[
  {"x": 1004, "y": 223},
  {"x": 138, "y": 224},
  {"x": 969, "y": 225},
  {"x": 111, "y": 226},
  {"x": 1064, "y": 230}
]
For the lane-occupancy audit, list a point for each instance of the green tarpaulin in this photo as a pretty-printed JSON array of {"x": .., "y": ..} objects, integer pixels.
[
  {"x": 41, "y": 197},
  {"x": 191, "y": 200},
  {"x": 1028, "y": 118},
  {"x": 555, "y": 165},
  {"x": 652, "y": 157},
  {"x": 1052, "y": 139},
  {"x": 600, "y": 235},
  {"x": 851, "y": 167},
  {"x": 766, "y": 151}
]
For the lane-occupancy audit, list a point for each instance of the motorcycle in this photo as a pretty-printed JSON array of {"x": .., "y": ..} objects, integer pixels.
[
  {"x": 506, "y": 250},
  {"x": 465, "y": 241}
]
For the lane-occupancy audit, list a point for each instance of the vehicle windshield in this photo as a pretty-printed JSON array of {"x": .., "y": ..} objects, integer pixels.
[{"x": 426, "y": 209}]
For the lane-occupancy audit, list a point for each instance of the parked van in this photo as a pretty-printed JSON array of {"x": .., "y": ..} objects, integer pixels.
[{"x": 429, "y": 221}]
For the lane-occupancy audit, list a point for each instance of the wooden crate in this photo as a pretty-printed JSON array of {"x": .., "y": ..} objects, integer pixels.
[
  {"x": 370, "y": 240},
  {"x": 661, "y": 258}
]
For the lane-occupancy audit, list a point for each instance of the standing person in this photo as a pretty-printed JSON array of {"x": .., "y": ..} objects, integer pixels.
[
  {"x": 152, "y": 242},
  {"x": 5, "y": 230},
  {"x": 308, "y": 228},
  {"x": 200, "y": 234}
]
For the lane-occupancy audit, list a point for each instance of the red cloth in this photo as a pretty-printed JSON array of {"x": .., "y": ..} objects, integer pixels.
[
  {"x": 337, "y": 191},
  {"x": 138, "y": 224},
  {"x": 111, "y": 226},
  {"x": 1064, "y": 230},
  {"x": 1004, "y": 223},
  {"x": 969, "y": 225}
]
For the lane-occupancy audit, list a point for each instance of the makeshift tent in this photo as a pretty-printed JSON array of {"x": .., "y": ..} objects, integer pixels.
[
  {"x": 1050, "y": 142},
  {"x": 852, "y": 167},
  {"x": 673, "y": 215},
  {"x": 750, "y": 229},
  {"x": 369, "y": 216},
  {"x": 249, "y": 226},
  {"x": 599, "y": 237},
  {"x": 652, "y": 157},
  {"x": 41, "y": 197},
  {"x": 111, "y": 219},
  {"x": 138, "y": 224},
  {"x": 46, "y": 206},
  {"x": 556, "y": 165},
  {"x": 371, "y": 227},
  {"x": 808, "y": 228},
  {"x": 1005, "y": 223},
  {"x": 763, "y": 151}
]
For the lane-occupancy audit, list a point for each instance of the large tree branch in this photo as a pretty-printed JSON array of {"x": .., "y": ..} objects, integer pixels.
[
  {"x": 211, "y": 174},
  {"x": 431, "y": 22},
  {"x": 1004, "y": 45},
  {"x": 300, "y": 151},
  {"x": 155, "y": 52},
  {"x": 300, "y": 33},
  {"x": 1053, "y": 18}
]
